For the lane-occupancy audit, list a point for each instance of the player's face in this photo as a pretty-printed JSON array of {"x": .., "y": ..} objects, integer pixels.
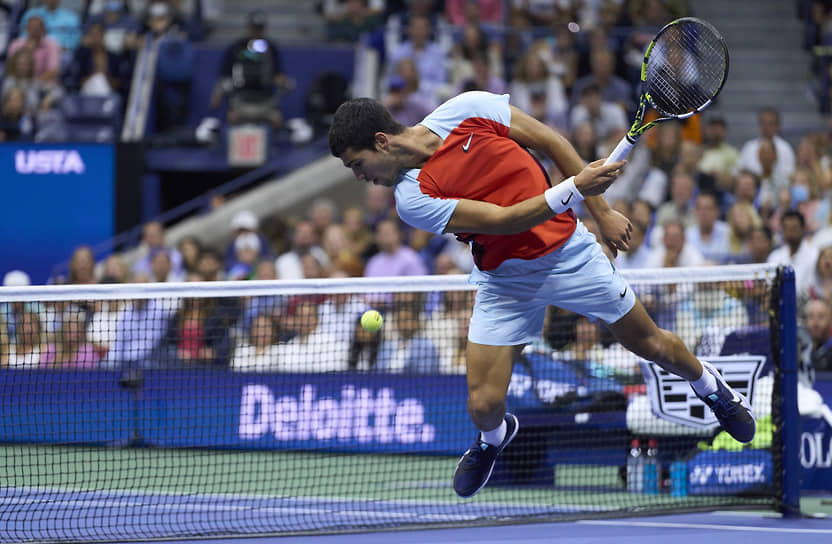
[{"x": 374, "y": 166}]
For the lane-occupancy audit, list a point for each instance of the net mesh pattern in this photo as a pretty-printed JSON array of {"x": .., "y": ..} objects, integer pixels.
[
  {"x": 686, "y": 67},
  {"x": 142, "y": 415}
]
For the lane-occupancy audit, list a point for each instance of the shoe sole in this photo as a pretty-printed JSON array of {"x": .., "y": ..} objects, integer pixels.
[
  {"x": 488, "y": 477},
  {"x": 715, "y": 373}
]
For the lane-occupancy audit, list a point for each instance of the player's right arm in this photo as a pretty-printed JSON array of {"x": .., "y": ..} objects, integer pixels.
[{"x": 477, "y": 217}]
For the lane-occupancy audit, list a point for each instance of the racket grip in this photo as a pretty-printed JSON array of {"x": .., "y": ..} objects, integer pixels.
[{"x": 620, "y": 151}]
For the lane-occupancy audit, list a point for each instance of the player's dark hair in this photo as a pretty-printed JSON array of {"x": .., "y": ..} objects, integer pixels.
[{"x": 356, "y": 122}]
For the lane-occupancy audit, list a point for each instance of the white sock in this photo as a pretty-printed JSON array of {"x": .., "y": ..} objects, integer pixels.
[
  {"x": 496, "y": 436},
  {"x": 706, "y": 384}
]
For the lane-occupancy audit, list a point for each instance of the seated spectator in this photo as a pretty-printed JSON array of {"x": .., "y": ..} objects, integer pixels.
[
  {"x": 364, "y": 347},
  {"x": 304, "y": 241},
  {"x": 769, "y": 125},
  {"x": 760, "y": 244},
  {"x": 323, "y": 212},
  {"x": 251, "y": 75},
  {"x": 408, "y": 350},
  {"x": 613, "y": 88},
  {"x": 338, "y": 313},
  {"x": 460, "y": 12},
  {"x": 719, "y": 158},
  {"x": 161, "y": 269},
  {"x": 259, "y": 352},
  {"x": 483, "y": 79},
  {"x": 357, "y": 20},
  {"x": 190, "y": 248},
  {"x": 209, "y": 265},
  {"x": 140, "y": 327},
  {"x": 742, "y": 219},
  {"x": 600, "y": 362},
  {"x": 247, "y": 249},
  {"x": 199, "y": 332},
  {"x": 403, "y": 100},
  {"x": 121, "y": 28},
  {"x": 474, "y": 46},
  {"x": 428, "y": 58},
  {"x": 359, "y": 237},
  {"x": 796, "y": 250},
  {"x": 271, "y": 305},
  {"x": 606, "y": 117},
  {"x": 682, "y": 203},
  {"x": 153, "y": 238},
  {"x": 82, "y": 266},
  {"x": 704, "y": 319},
  {"x": 820, "y": 284},
  {"x": 45, "y": 50},
  {"x": 447, "y": 328},
  {"x": 638, "y": 254},
  {"x": 62, "y": 25},
  {"x": 818, "y": 356},
  {"x": 72, "y": 349},
  {"x": 102, "y": 326},
  {"x": 394, "y": 258},
  {"x": 673, "y": 251},
  {"x": 28, "y": 346},
  {"x": 538, "y": 91},
  {"x": 312, "y": 349},
  {"x": 245, "y": 222},
  {"x": 95, "y": 70},
  {"x": 806, "y": 196},
  {"x": 774, "y": 185},
  {"x": 15, "y": 123},
  {"x": 708, "y": 234},
  {"x": 113, "y": 270},
  {"x": 377, "y": 204},
  {"x": 38, "y": 94}
]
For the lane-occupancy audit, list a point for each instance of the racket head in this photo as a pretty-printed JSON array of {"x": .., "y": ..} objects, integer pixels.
[{"x": 684, "y": 68}]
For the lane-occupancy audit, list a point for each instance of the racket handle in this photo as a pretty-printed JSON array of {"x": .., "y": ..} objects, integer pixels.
[{"x": 620, "y": 151}]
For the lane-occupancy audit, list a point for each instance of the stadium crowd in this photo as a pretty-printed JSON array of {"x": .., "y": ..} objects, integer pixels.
[{"x": 693, "y": 198}]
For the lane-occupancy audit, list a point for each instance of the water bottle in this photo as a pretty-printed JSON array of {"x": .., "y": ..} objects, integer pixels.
[
  {"x": 652, "y": 470},
  {"x": 679, "y": 479},
  {"x": 635, "y": 468}
]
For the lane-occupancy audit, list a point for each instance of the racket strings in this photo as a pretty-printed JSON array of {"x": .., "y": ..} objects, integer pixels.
[{"x": 685, "y": 69}]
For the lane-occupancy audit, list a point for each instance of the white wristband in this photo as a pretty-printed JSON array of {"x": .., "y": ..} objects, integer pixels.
[{"x": 563, "y": 196}]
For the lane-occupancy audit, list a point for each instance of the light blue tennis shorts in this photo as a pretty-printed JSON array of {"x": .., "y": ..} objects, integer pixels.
[{"x": 512, "y": 299}]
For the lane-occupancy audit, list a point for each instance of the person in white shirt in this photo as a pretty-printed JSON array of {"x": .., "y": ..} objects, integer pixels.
[
  {"x": 674, "y": 251},
  {"x": 606, "y": 117},
  {"x": 312, "y": 350},
  {"x": 304, "y": 241},
  {"x": 769, "y": 124},
  {"x": 796, "y": 250},
  {"x": 709, "y": 235},
  {"x": 259, "y": 352}
]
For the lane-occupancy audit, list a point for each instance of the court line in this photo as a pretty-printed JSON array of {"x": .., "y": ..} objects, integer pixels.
[{"x": 676, "y": 525}]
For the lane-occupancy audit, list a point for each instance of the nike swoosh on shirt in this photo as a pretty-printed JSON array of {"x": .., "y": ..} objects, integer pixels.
[{"x": 467, "y": 144}]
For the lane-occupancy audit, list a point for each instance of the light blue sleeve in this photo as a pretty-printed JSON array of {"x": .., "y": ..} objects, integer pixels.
[
  {"x": 479, "y": 104},
  {"x": 419, "y": 210}
]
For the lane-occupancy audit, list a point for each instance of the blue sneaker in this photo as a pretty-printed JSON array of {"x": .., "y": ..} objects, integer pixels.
[
  {"x": 474, "y": 467},
  {"x": 730, "y": 408}
]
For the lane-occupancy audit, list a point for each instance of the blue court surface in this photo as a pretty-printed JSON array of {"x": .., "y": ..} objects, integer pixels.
[{"x": 701, "y": 528}]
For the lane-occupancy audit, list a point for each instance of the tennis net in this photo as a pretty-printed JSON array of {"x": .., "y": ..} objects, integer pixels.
[{"x": 224, "y": 408}]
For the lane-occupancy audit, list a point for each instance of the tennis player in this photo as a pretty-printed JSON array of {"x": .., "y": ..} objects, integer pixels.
[{"x": 466, "y": 169}]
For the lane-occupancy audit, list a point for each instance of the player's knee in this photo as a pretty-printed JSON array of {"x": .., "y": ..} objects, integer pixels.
[{"x": 485, "y": 404}]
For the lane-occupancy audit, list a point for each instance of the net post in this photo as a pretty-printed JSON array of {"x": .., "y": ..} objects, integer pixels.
[{"x": 790, "y": 500}]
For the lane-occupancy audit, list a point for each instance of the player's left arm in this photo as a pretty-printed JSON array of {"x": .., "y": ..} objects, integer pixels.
[{"x": 531, "y": 133}]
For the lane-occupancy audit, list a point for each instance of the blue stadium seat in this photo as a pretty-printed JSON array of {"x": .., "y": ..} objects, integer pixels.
[{"x": 92, "y": 109}]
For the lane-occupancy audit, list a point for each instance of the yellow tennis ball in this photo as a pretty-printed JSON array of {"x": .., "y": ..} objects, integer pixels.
[{"x": 371, "y": 320}]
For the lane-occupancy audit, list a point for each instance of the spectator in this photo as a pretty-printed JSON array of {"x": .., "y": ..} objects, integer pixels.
[
  {"x": 613, "y": 88},
  {"x": 704, "y": 319},
  {"x": 312, "y": 349},
  {"x": 121, "y": 28},
  {"x": 674, "y": 251},
  {"x": 460, "y": 12},
  {"x": 585, "y": 141},
  {"x": 769, "y": 125},
  {"x": 359, "y": 237},
  {"x": 260, "y": 351},
  {"x": 364, "y": 347},
  {"x": 247, "y": 249},
  {"x": 474, "y": 46},
  {"x": 209, "y": 265},
  {"x": 638, "y": 254},
  {"x": 719, "y": 158},
  {"x": 483, "y": 79},
  {"x": 394, "y": 258},
  {"x": 153, "y": 238},
  {"x": 62, "y": 25},
  {"x": 45, "y": 50},
  {"x": 261, "y": 305},
  {"x": 161, "y": 269},
  {"x": 408, "y": 350},
  {"x": 447, "y": 328},
  {"x": 82, "y": 266},
  {"x": 193, "y": 335},
  {"x": 102, "y": 326},
  {"x": 28, "y": 346},
  {"x": 357, "y": 21},
  {"x": 95, "y": 70},
  {"x": 15, "y": 123},
  {"x": 71, "y": 348},
  {"x": 820, "y": 285},
  {"x": 819, "y": 331},
  {"x": 774, "y": 185},
  {"x": 666, "y": 151},
  {"x": 746, "y": 189},
  {"x": 606, "y": 117},
  {"x": 38, "y": 94},
  {"x": 742, "y": 219},
  {"x": 304, "y": 241},
  {"x": 114, "y": 270},
  {"x": 760, "y": 244},
  {"x": 245, "y": 222},
  {"x": 339, "y": 313},
  {"x": 682, "y": 203},
  {"x": 428, "y": 58},
  {"x": 189, "y": 248},
  {"x": 174, "y": 67},
  {"x": 377, "y": 204},
  {"x": 796, "y": 250},
  {"x": 323, "y": 212},
  {"x": 709, "y": 235},
  {"x": 251, "y": 74},
  {"x": 536, "y": 90},
  {"x": 805, "y": 196},
  {"x": 403, "y": 103}
]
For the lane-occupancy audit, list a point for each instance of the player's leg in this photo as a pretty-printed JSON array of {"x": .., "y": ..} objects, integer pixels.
[
  {"x": 489, "y": 373},
  {"x": 637, "y": 332}
]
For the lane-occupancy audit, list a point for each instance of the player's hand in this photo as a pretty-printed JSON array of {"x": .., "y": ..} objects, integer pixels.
[
  {"x": 615, "y": 230},
  {"x": 595, "y": 177}
]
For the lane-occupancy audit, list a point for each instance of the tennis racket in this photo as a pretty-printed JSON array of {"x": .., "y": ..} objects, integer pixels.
[{"x": 684, "y": 68}]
